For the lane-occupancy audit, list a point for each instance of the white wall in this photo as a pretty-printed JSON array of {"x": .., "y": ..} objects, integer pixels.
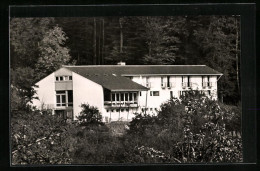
[
  {"x": 45, "y": 92},
  {"x": 156, "y": 101},
  {"x": 86, "y": 91}
]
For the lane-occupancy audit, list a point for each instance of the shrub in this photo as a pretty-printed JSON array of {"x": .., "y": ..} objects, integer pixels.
[
  {"x": 89, "y": 115},
  {"x": 38, "y": 139},
  {"x": 192, "y": 129}
]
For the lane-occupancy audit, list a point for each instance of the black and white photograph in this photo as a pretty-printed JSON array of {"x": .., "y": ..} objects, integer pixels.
[{"x": 125, "y": 90}]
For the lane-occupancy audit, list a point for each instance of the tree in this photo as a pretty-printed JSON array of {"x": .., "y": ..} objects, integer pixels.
[
  {"x": 22, "y": 88},
  {"x": 53, "y": 54},
  {"x": 25, "y": 34},
  {"x": 89, "y": 115}
]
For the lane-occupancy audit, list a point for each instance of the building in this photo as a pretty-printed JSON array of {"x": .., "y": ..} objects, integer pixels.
[{"x": 119, "y": 91}]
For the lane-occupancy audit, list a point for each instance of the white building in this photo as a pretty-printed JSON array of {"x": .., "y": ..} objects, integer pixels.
[{"x": 118, "y": 91}]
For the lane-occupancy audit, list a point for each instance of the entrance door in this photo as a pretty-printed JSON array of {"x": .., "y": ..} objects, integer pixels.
[{"x": 61, "y": 114}]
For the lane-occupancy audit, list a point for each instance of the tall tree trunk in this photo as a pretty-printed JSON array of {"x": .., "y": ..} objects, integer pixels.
[
  {"x": 103, "y": 42},
  {"x": 94, "y": 43},
  {"x": 121, "y": 35},
  {"x": 99, "y": 44},
  {"x": 237, "y": 60}
]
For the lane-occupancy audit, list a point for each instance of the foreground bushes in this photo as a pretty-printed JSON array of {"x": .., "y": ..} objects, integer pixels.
[{"x": 193, "y": 129}]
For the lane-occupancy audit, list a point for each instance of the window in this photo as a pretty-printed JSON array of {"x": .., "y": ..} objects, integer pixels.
[
  {"x": 140, "y": 94},
  {"x": 168, "y": 81},
  {"x": 130, "y": 97},
  {"x": 189, "y": 84},
  {"x": 107, "y": 110},
  {"x": 66, "y": 78},
  {"x": 63, "y": 78},
  {"x": 61, "y": 98},
  {"x": 122, "y": 110},
  {"x": 117, "y": 97},
  {"x": 154, "y": 93},
  {"x": 70, "y": 98},
  {"x": 113, "y": 97},
  {"x": 122, "y": 97},
  {"x": 127, "y": 110},
  {"x": 64, "y": 98},
  {"x": 117, "y": 110},
  {"x": 135, "y": 97}
]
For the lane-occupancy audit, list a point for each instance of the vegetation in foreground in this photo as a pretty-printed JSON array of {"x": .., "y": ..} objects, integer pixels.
[{"x": 193, "y": 129}]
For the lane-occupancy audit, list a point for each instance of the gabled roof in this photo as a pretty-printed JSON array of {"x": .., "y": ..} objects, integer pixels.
[
  {"x": 111, "y": 82},
  {"x": 116, "y": 83},
  {"x": 111, "y": 76},
  {"x": 145, "y": 69}
]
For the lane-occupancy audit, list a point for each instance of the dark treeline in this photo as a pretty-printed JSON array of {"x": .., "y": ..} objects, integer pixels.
[{"x": 42, "y": 45}]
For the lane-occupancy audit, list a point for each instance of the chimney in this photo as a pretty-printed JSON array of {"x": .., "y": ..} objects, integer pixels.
[{"x": 121, "y": 63}]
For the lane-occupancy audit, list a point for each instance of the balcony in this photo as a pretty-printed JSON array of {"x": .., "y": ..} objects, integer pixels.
[
  {"x": 118, "y": 104},
  {"x": 210, "y": 84},
  {"x": 207, "y": 85},
  {"x": 204, "y": 85}
]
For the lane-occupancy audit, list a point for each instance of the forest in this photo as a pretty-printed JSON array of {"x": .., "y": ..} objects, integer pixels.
[{"x": 204, "y": 133}]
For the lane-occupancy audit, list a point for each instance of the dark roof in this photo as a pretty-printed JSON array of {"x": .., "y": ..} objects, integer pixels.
[
  {"x": 111, "y": 82},
  {"x": 145, "y": 69},
  {"x": 111, "y": 77}
]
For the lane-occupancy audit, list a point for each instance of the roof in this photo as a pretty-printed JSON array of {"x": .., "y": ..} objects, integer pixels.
[
  {"x": 145, "y": 69},
  {"x": 116, "y": 83},
  {"x": 111, "y": 81},
  {"x": 111, "y": 76}
]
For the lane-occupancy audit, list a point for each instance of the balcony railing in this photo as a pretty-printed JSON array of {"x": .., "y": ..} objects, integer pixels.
[
  {"x": 207, "y": 84},
  {"x": 60, "y": 105},
  {"x": 121, "y": 104}
]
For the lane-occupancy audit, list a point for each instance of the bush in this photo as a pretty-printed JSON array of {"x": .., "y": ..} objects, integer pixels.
[
  {"x": 39, "y": 139},
  {"x": 89, "y": 115},
  {"x": 192, "y": 129}
]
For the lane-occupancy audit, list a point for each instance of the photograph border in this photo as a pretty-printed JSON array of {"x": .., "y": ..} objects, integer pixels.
[{"x": 248, "y": 56}]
